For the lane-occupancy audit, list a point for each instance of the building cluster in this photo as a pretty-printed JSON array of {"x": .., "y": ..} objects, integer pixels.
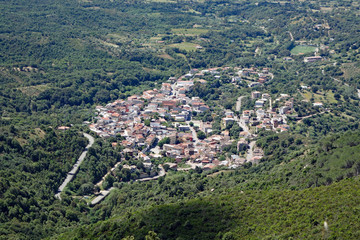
[
  {"x": 143, "y": 120},
  {"x": 264, "y": 116},
  {"x": 257, "y": 76}
]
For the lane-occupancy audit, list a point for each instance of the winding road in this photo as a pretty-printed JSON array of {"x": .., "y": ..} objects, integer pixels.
[
  {"x": 106, "y": 192},
  {"x": 76, "y": 166}
]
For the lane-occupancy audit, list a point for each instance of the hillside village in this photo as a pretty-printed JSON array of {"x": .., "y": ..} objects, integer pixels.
[{"x": 160, "y": 122}]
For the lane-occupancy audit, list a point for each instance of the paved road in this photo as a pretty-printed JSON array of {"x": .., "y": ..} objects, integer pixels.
[
  {"x": 194, "y": 135},
  {"x": 192, "y": 166},
  {"x": 76, "y": 166},
  {"x": 161, "y": 173},
  {"x": 250, "y": 152},
  {"x": 238, "y": 103},
  {"x": 242, "y": 124},
  {"x": 100, "y": 197},
  {"x": 104, "y": 193},
  {"x": 309, "y": 116},
  {"x": 291, "y": 36}
]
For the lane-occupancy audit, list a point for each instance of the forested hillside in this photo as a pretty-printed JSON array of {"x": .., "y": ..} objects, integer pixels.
[
  {"x": 61, "y": 59},
  {"x": 313, "y": 213}
]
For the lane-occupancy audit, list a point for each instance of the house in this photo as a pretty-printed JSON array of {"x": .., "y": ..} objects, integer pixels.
[
  {"x": 184, "y": 128},
  {"x": 206, "y": 128},
  {"x": 168, "y": 104},
  {"x": 246, "y": 113},
  {"x": 228, "y": 121},
  {"x": 209, "y": 167},
  {"x": 182, "y": 90},
  {"x": 229, "y": 114},
  {"x": 284, "y": 109},
  {"x": 63, "y": 128},
  {"x": 245, "y": 119},
  {"x": 179, "y": 118},
  {"x": 318, "y": 104},
  {"x": 313, "y": 59},
  {"x": 236, "y": 79},
  {"x": 189, "y": 75},
  {"x": 259, "y": 103},
  {"x": 262, "y": 79},
  {"x": 172, "y": 79},
  {"x": 241, "y": 144},
  {"x": 244, "y": 73},
  {"x": 132, "y": 168},
  {"x": 265, "y": 96},
  {"x": 150, "y": 140},
  {"x": 253, "y": 84},
  {"x": 235, "y": 158}
]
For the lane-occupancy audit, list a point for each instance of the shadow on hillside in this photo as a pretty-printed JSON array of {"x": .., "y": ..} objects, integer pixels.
[{"x": 195, "y": 219}]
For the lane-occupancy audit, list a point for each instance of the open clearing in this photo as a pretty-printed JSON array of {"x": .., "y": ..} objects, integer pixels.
[
  {"x": 302, "y": 50},
  {"x": 185, "y": 46}
]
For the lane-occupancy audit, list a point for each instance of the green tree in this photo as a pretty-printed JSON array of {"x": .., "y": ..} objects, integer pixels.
[
  {"x": 201, "y": 135},
  {"x": 151, "y": 236},
  {"x": 163, "y": 141}
]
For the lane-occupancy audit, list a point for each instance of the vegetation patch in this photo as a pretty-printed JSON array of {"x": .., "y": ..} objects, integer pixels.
[
  {"x": 34, "y": 90},
  {"x": 351, "y": 70},
  {"x": 189, "y": 31},
  {"x": 328, "y": 96}
]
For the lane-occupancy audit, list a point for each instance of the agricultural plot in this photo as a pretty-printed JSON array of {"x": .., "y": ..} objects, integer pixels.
[{"x": 184, "y": 46}]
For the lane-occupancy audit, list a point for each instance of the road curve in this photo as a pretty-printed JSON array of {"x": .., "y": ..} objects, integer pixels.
[
  {"x": 106, "y": 192},
  {"x": 76, "y": 166}
]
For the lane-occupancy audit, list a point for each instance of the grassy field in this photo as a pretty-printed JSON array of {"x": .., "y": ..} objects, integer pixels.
[
  {"x": 302, "y": 50},
  {"x": 185, "y": 46},
  {"x": 320, "y": 97}
]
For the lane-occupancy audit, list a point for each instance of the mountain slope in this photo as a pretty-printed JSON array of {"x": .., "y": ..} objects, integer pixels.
[{"x": 243, "y": 215}]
